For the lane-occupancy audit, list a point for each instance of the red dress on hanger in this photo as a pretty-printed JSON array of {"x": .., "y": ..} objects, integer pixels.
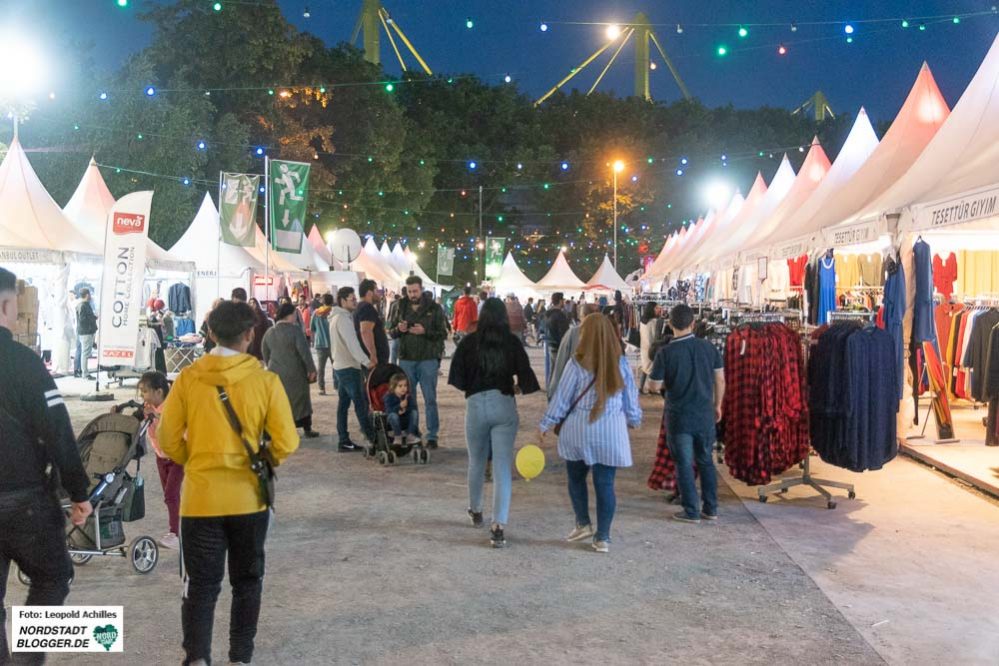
[{"x": 944, "y": 274}]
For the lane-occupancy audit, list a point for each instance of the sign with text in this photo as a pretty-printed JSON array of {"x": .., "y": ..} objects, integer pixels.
[
  {"x": 239, "y": 208},
  {"x": 67, "y": 629},
  {"x": 124, "y": 271},
  {"x": 288, "y": 190},
  {"x": 445, "y": 260},
  {"x": 958, "y": 210},
  {"x": 853, "y": 234}
]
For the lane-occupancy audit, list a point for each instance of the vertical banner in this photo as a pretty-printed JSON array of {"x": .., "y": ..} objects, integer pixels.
[
  {"x": 287, "y": 193},
  {"x": 239, "y": 208},
  {"x": 494, "y": 256},
  {"x": 121, "y": 285},
  {"x": 445, "y": 260}
]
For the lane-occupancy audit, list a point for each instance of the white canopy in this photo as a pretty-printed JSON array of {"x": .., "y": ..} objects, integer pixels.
[
  {"x": 88, "y": 209},
  {"x": 734, "y": 207},
  {"x": 512, "y": 280},
  {"x": 398, "y": 260},
  {"x": 384, "y": 249},
  {"x": 375, "y": 267},
  {"x": 607, "y": 278},
  {"x": 560, "y": 277},
  {"x": 30, "y": 218},
  {"x": 415, "y": 267},
  {"x": 319, "y": 246}
]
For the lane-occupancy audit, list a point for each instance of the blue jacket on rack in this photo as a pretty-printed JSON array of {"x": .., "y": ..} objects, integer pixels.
[{"x": 179, "y": 298}]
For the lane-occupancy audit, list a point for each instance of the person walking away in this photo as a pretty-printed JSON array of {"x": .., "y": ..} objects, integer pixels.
[
  {"x": 529, "y": 319},
  {"x": 262, "y": 324},
  {"x": 419, "y": 326},
  {"x": 647, "y": 337},
  {"x": 35, "y": 434},
  {"x": 556, "y": 325},
  {"x": 483, "y": 297},
  {"x": 208, "y": 343},
  {"x": 286, "y": 353},
  {"x": 305, "y": 316},
  {"x": 466, "y": 314},
  {"x": 596, "y": 403},
  {"x": 154, "y": 389},
  {"x": 349, "y": 361},
  {"x": 369, "y": 325},
  {"x": 515, "y": 315},
  {"x": 566, "y": 350},
  {"x": 692, "y": 371},
  {"x": 397, "y": 302},
  {"x": 401, "y": 409},
  {"x": 320, "y": 326},
  {"x": 539, "y": 322},
  {"x": 223, "y": 517},
  {"x": 86, "y": 330},
  {"x": 484, "y": 367}
]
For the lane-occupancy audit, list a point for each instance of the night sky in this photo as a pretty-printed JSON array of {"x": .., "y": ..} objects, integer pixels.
[{"x": 875, "y": 71}]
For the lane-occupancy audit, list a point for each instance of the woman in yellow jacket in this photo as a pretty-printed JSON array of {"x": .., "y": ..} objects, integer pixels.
[{"x": 221, "y": 510}]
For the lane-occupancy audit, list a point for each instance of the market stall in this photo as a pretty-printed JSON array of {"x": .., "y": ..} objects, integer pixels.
[
  {"x": 560, "y": 278},
  {"x": 512, "y": 280}
]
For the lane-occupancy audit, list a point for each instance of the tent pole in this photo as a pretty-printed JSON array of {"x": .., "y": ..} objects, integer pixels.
[
  {"x": 218, "y": 254},
  {"x": 267, "y": 226}
]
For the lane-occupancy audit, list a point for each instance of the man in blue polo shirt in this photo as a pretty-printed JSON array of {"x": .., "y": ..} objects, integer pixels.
[{"x": 692, "y": 371}]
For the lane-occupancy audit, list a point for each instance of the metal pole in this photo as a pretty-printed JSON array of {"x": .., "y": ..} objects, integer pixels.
[
  {"x": 267, "y": 226},
  {"x": 481, "y": 237},
  {"x": 615, "y": 219},
  {"x": 218, "y": 255}
]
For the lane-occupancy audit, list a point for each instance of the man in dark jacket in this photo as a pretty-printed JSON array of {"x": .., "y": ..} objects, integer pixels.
[
  {"x": 35, "y": 432},
  {"x": 556, "y": 325},
  {"x": 418, "y": 324},
  {"x": 86, "y": 329}
]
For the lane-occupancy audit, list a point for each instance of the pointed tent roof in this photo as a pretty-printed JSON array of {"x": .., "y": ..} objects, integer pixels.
[
  {"x": 375, "y": 263},
  {"x": 200, "y": 245},
  {"x": 733, "y": 208},
  {"x": 793, "y": 222},
  {"x": 398, "y": 260},
  {"x": 277, "y": 262},
  {"x": 384, "y": 250},
  {"x": 560, "y": 276},
  {"x": 29, "y": 218},
  {"x": 606, "y": 277},
  {"x": 917, "y": 122},
  {"x": 418, "y": 270},
  {"x": 511, "y": 278},
  {"x": 88, "y": 209},
  {"x": 319, "y": 245}
]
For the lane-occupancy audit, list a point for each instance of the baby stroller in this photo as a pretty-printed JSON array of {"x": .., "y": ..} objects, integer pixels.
[
  {"x": 384, "y": 449},
  {"x": 107, "y": 445}
]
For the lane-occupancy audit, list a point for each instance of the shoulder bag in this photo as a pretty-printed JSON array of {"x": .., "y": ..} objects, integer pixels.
[
  {"x": 261, "y": 461},
  {"x": 558, "y": 426}
]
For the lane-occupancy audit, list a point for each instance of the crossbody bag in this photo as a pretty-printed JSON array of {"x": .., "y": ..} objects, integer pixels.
[
  {"x": 558, "y": 426},
  {"x": 261, "y": 460}
]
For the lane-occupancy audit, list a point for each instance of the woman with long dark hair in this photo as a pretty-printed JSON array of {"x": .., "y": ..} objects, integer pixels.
[{"x": 484, "y": 367}]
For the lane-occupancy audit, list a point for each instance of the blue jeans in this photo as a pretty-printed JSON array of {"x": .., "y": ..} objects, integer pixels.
[
  {"x": 687, "y": 449},
  {"x": 410, "y": 422},
  {"x": 84, "y": 346},
  {"x": 549, "y": 359},
  {"x": 491, "y": 423},
  {"x": 350, "y": 388},
  {"x": 603, "y": 486},
  {"x": 424, "y": 373}
]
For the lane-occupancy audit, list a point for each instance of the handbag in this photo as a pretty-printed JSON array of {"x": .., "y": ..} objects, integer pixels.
[
  {"x": 558, "y": 426},
  {"x": 261, "y": 461},
  {"x": 134, "y": 503}
]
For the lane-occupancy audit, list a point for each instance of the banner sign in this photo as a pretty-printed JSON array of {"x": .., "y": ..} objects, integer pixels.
[
  {"x": 288, "y": 199},
  {"x": 239, "y": 208},
  {"x": 853, "y": 234},
  {"x": 445, "y": 260},
  {"x": 795, "y": 249},
  {"x": 124, "y": 271},
  {"x": 15, "y": 255},
  {"x": 958, "y": 210},
  {"x": 494, "y": 256}
]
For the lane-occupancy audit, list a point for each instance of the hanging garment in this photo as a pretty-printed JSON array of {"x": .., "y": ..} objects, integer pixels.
[
  {"x": 811, "y": 285},
  {"x": 827, "y": 289},
  {"x": 945, "y": 274},
  {"x": 976, "y": 356},
  {"x": 179, "y": 298},
  {"x": 991, "y": 380},
  {"x": 847, "y": 273},
  {"x": 941, "y": 405},
  {"x": 922, "y": 313},
  {"x": 796, "y": 270},
  {"x": 870, "y": 268},
  {"x": 992, "y": 423},
  {"x": 894, "y": 311}
]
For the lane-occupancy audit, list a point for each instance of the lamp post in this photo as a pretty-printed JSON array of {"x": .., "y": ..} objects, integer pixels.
[{"x": 617, "y": 168}]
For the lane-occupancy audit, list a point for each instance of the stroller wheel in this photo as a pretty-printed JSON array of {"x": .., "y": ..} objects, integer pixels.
[
  {"x": 144, "y": 554},
  {"x": 391, "y": 458},
  {"x": 382, "y": 458},
  {"x": 79, "y": 559},
  {"x": 416, "y": 456},
  {"x": 424, "y": 456}
]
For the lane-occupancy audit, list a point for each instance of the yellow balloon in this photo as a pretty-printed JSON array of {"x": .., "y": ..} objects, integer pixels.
[{"x": 530, "y": 461}]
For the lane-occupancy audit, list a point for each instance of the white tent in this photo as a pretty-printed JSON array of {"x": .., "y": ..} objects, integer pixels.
[
  {"x": 399, "y": 261},
  {"x": 385, "y": 251},
  {"x": 415, "y": 267},
  {"x": 690, "y": 261},
  {"x": 660, "y": 261},
  {"x": 725, "y": 225},
  {"x": 560, "y": 277},
  {"x": 512, "y": 280},
  {"x": 607, "y": 279},
  {"x": 319, "y": 246},
  {"x": 373, "y": 265},
  {"x": 220, "y": 266}
]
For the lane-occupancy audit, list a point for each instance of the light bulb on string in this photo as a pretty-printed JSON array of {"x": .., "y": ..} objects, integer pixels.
[
  {"x": 306, "y": 13},
  {"x": 544, "y": 27},
  {"x": 743, "y": 32},
  {"x": 679, "y": 29},
  {"x": 922, "y": 27},
  {"x": 613, "y": 31},
  {"x": 722, "y": 50},
  {"x": 103, "y": 95},
  {"x": 564, "y": 166},
  {"x": 150, "y": 91},
  {"x": 217, "y": 6},
  {"x": 848, "y": 28},
  {"x": 469, "y": 24},
  {"x": 956, "y": 20},
  {"x": 905, "y": 23},
  {"x": 652, "y": 66},
  {"x": 781, "y": 50},
  {"x": 794, "y": 27},
  {"x": 849, "y": 40},
  {"x": 507, "y": 78}
]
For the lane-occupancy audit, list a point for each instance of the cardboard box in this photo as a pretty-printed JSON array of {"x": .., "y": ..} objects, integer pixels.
[{"x": 27, "y": 298}]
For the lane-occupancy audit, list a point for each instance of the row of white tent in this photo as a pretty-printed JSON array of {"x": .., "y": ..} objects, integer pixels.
[
  {"x": 559, "y": 278},
  {"x": 935, "y": 171}
]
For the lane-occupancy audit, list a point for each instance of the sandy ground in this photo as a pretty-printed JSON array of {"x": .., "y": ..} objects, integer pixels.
[{"x": 378, "y": 565}]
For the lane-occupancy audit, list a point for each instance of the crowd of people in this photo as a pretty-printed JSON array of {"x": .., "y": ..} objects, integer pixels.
[{"x": 236, "y": 412}]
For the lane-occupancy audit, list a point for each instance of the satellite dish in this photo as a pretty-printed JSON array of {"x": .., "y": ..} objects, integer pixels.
[{"x": 345, "y": 245}]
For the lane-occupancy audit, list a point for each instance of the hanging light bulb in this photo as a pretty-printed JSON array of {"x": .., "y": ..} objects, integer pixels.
[
  {"x": 679, "y": 29},
  {"x": 613, "y": 31},
  {"x": 306, "y": 13},
  {"x": 652, "y": 66},
  {"x": 544, "y": 27},
  {"x": 781, "y": 50},
  {"x": 905, "y": 23},
  {"x": 507, "y": 78},
  {"x": 848, "y": 28},
  {"x": 794, "y": 27},
  {"x": 743, "y": 32},
  {"x": 150, "y": 91},
  {"x": 469, "y": 24}
]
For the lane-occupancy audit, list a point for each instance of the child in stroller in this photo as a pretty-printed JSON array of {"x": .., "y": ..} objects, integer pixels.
[{"x": 389, "y": 418}]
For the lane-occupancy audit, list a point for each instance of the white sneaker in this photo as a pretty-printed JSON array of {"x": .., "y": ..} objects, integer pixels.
[
  {"x": 170, "y": 541},
  {"x": 601, "y": 546},
  {"x": 413, "y": 439},
  {"x": 580, "y": 533}
]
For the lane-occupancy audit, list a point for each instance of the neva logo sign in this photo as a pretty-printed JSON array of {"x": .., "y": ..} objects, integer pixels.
[{"x": 127, "y": 223}]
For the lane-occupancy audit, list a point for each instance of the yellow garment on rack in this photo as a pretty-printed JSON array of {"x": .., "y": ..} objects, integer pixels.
[
  {"x": 869, "y": 266},
  {"x": 977, "y": 273},
  {"x": 847, "y": 272}
]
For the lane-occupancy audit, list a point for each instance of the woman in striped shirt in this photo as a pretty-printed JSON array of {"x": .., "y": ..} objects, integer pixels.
[{"x": 596, "y": 402}]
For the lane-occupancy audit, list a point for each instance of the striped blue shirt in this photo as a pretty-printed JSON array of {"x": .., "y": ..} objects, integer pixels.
[{"x": 606, "y": 440}]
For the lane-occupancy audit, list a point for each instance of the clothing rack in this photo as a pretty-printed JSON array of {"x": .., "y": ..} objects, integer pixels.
[
  {"x": 851, "y": 315},
  {"x": 806, "y": 478}
]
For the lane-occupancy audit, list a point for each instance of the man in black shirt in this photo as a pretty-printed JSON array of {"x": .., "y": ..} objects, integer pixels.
[
  {"x": 369, "y": 324},
  {"x": 556, "y": 324},
  {"x": 34, "y": 432}
]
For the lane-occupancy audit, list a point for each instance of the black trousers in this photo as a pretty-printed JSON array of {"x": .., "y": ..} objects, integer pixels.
[
  {"x": 305, "y": 423},
  {"x": 204, "y": 544},
  {"x": 33, "y": 535}
]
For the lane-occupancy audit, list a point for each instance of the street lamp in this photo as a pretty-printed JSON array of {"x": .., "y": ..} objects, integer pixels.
[
  {"x": 618, "y": 167},
  {"x": 22, "y": 73}
]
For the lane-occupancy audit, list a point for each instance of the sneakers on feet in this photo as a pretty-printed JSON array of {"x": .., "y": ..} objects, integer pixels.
[
  {"x": 682, "y": 517},
  {"x": 322, "y": 391},
  {"x": 170, "y": 540},
  {"x": 601, "y": 546},
  {"x": 496, "y": 537},
  {"x": 580, "y": 533},
  {"x": 347, "y": 446},
  {"x": 431, "y": 444},
  {"x": 475, "y": 517},
  {"x": 413, "y": 439},
  {"x": 709, "y": 516}
]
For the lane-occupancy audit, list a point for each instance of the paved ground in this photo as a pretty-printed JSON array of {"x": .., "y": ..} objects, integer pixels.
[{"x": 378, "y": 565}]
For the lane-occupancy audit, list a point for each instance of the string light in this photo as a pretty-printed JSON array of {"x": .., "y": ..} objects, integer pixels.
[
  {"x": 848, "y": 28},
  {"x": 217, "y": 6},
  {"x": 905, "y": 23},
  {"x": 722, "y": 50},
  {"x": 781, "y": 50},
  {"x": 564, "y": 166},
  {"x": 679, "y": 29},
  {"x": 469, "y": 24},
  {"x": 613, "y": 31},
  {"x": 544, "y": 27},
  {"x": 103, "y": 95},
  {"x": 150, "y": 91},
  {"x": 389, "y": 87},
  {"x": 122, "y": 3},
  {"x": 794, "y": 27},
  {"x": 743, "y": 32},
  {"x": 306, "y": 13},
  {"x": 507, "y": 78}
]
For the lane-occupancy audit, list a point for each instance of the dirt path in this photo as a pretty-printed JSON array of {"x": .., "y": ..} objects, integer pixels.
[{"x": 378, "y": 565}]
